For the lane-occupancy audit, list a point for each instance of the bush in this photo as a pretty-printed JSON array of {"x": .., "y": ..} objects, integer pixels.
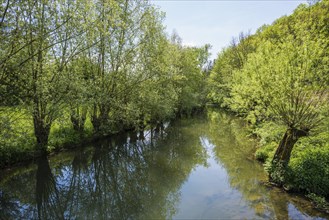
[
  {"x": 269, "y": 132},
  {"x": 309, "y": 170},
  {"x": 17, "y": 140},
  {"x": 16, "y": 136},
  {"x": 270, "y": 135},
  {"x": 266, "y": 152},
  {"x": 60, "y": 137},
  {"x": 318, "y": 201}
]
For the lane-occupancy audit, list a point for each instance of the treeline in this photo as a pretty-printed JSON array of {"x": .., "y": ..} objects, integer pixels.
[
  {"x": 77, "y": 68},
  {"x": 278, "y": 79}
]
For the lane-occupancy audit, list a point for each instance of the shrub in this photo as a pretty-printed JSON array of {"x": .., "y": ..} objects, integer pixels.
[
  {"x": 277, "y": 172},
  {"x": 270, "y": 134},
  {"x": 266, "y": 152},
  {"x": 309, "y": 170},
  {"x": 16, "y": 136},
  {"x": 318, "y": 201}
]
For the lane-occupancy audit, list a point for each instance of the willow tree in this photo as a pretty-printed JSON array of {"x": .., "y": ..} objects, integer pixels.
[
  {"x": 40, "y": 41},
  {"x": 299, "y": 100},
  {"x": 36, "y": 17},
  {"x": 117, "y": 36},
  {"x": 229, "y": 60},
  {"x": 283, "y": 81},
  {"x": 54, "y": 27},
  {"x": 152, "y": 95}
]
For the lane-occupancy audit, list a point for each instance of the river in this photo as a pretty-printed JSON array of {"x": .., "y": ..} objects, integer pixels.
[{"x": 197, "y": 168}]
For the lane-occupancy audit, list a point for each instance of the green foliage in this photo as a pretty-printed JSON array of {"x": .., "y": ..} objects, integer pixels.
[
  {"x": 191, "y": 80},
  {"x": 83, "y": 68},
  {"x": 16, "y": 137},
  {"x": 320, "y": 202},
  {"x": 17, "y": 140},
  {"x": 62, "y": 133},
  {"x": 281, "y": 83},
  {"x": 284, "y": 64},
  {"x": 310, "y": 170},
  {"x": 266, "y": 152},
  {"x": 229, "y": 60},
  {"x": 269, "y": 134},
  {"x": 277, "y": 172}
]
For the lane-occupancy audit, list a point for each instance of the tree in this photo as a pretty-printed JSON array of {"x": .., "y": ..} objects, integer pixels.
[
  {"x": 283, "y": 81},
  {"x": 109, "y": 61},
  {"x": 229, "y": 60},
  {"x": 282, "y": 75},
  {"x": 42, "y": 40},
  {"x": 120, "y": 39}
]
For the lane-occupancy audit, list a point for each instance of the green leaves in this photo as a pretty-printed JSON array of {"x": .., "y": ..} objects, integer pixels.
[
  {"x": 104, "y": 64},
  {"x": 280, "y": 76}
]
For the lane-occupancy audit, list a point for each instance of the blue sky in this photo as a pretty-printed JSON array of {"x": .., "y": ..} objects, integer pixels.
[{"x": 216, "y": 21}]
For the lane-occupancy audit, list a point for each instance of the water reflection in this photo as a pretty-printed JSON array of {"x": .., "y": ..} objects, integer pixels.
[
  {"x": 131, "y": 176},
  {"x": 201, "y": 167},
  {"x": 234, "y": 151},
  {"x": 47, "y": 194}
]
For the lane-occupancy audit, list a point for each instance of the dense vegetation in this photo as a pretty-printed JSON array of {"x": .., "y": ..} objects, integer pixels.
[
  {"x": 278, "y": 79},
  {"x": 76, "y": 70},
  {"x": 73, "y": 70}
]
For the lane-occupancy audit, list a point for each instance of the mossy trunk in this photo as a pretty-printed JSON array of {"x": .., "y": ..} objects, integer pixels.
[
  {"x": 41, "y": 132},
  {"x": 287, "y": 143},
  {"x": 283, "y": 152}
]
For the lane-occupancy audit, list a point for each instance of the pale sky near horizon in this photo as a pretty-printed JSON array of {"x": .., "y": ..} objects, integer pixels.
[{"x": 199, "y": 22}]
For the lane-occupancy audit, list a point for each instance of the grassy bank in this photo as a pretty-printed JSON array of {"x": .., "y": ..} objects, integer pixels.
[{"x": 18, "y": 143}]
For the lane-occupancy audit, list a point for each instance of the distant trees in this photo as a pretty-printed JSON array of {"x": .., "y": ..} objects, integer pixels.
[{"x": 229, "y": 60}]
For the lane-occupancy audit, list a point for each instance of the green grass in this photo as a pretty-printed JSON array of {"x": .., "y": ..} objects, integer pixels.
[{"x": 17, "y": 141}]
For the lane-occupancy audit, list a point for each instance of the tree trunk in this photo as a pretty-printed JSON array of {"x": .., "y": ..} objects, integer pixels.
[
  {"x": 78, "y": 119},
  {"x": 41, "y": 132},
  {"x": 283, "y": 152},
  {"x": 95, "y": 120},
  {"x": 100, "y": 120},
  {"x": 287, "y": 143}
]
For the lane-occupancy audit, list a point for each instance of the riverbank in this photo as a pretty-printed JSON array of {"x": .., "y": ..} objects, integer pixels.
[
  {"x": 308, "y": 170},
  {"x": 18, "y": 143},
  {"x": 201, "y": 163}
]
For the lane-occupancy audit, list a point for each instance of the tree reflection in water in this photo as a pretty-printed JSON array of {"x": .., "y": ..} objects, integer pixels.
[
  {"x": 132, "y": 175},
  {"x": 140, "y": 176},
  {"x": 47, "y": 195},
  {"x": 9, "y": 208},
  {"x": 234, "y": 151}
]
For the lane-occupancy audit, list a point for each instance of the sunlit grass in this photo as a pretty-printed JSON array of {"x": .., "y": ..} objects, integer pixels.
[{"x": 17, "y": 140}]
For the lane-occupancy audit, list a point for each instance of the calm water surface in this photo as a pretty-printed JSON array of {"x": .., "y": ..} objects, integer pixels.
[{"x": 198, "y": 168}]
